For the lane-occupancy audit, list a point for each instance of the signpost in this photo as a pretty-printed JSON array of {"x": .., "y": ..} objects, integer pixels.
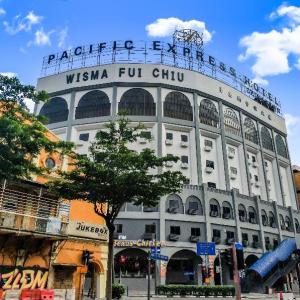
[
  {"x": 206, "y": 248},
  {"x": 159, "y": 257}
]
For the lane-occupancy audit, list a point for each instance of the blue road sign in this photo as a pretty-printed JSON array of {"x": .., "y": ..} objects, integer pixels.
[
  {"x": 238, "y": 246},
  {"x": 155, "y": 250},
  {"x": 188, "y": 273},
  {"x": 206, "y": 248},
  {"x": 159, "y": 257}
]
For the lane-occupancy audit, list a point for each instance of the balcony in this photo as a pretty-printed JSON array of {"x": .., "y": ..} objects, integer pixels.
[{"x": 32, "y": 214}]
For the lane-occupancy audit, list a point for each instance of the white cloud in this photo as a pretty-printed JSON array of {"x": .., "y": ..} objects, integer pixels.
[
  {"x": 260, "y": 81},
  {"x": 42, "y": 38},
  {"x": 22, "y": 24},
  {"x": 62, "y": 35},
  {"x": 166, "y": 27},
  {"x": 292, "y": 12},
  {"x": 9, "y": 74},
  {"x": 2, "y": 11},
  {"x": 293, "y": 129},
  {"x": 271, "y": 50}
]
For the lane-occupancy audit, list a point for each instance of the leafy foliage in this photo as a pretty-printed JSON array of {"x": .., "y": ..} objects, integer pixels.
[
  {"x": 118, "y": 290},
  {"x": 22, "y": 136}
]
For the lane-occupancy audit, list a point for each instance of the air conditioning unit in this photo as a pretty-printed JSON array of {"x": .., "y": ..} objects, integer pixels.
[
  {"x": 230, "y": 154},
  {"x": 257, "y": 184},
  {"x": 194, "y": 238},
  {"x": 256, "y": 245},
  {"x": 209, "y": 170},
  {"x": 173, "y": 237},
  {"x": 233, "y": 176},
  {"x": 169, "y": 142},
  {"x": 169, "y": 164},
  {"x": 226, "y": 216},
  {"x": 192, "y": 211},
  {"x": 207, "y": 148},
  {"x": 184, "y": 144},
  {"x": 230, "y": 241},
  {"x": 184, "y": 166},
  {"x": 255, "y": 164},
  {"x": 173, "y": 210},
  {"x": 142, "y": 140}
]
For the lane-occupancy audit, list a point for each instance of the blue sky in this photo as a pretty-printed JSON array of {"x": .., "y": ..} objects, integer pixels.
[{"x": 259, "y": 38}]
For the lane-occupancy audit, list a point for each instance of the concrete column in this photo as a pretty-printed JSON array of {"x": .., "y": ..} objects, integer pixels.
[
  {"x": 234, "y": 193},
  {"x": 261, "y": 227},
  {"x": 278, "y": 168},
  {"x": 197, "y": 135},
  {"x": 263, "y": 161},
  {"x": 224, "y": 148},
  {"x": 71, "y": 117},
  {"x": 245, "y": 154},
  {"x": 277, "y": 220},
  {"x": 292, "y": 219},
  {"x": 114, "y": 103}
]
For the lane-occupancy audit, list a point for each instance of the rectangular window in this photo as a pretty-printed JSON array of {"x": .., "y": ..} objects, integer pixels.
[
  {"x": 193, "y": 205},
  {"x": 267, "y": 240},
  {"x": 175, "y": 230},
  {"x": 266, "y": 164},
  {"x": 195, "y": 231},
  {"x": 233, "y": 170},
  {"x": 211, "y": 185},
  {"x": 230, "y": 234},
  {"x": 210, "y": 164},
  {"x": 275, "y": 243},
  {"x": 244, "y": 236},
  {"x": 255, "y": 238},
  {"x": 145, "y": 134},
  {"x": 150, "y": 228},
  {"x": 84, "y": 137},
  {"x": 216, "y": 233},
  {"x": 169, "y": 136},
  {"x": 208, "y": 143},
  {"x": 184, "y": 138},
  {"x": 119, "y": 228},
  {"x": 185, "y": 159},
  {"x": 253, "y": 158},
  {"x": 173, "y": 203},
  {"x": 214, "y": 207},
  {"x": 256, "y": 178}
]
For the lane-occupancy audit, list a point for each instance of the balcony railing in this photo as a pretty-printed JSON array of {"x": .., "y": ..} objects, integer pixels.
[{"x": 32, "y": 213}]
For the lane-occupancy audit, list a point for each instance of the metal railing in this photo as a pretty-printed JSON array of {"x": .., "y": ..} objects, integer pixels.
[{"x": 32, "y": 213}]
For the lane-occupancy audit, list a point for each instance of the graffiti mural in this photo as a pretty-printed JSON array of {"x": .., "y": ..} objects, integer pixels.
[{"x": 23, "y": 278}]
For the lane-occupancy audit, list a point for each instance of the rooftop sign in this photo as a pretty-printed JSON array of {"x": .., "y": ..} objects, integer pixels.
[{"x": 177, "y": 54}]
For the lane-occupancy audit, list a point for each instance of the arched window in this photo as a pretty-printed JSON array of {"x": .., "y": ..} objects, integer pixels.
[
  {"x": 227, "y": 210},
  {"x": 137, "y": 102},
  {"x": 214, "y": 208},
  {"x": 288, "y": 224},
  {"x": 55, "y": 110},
  {"x": 208, "y": 113},
  {"x": 174, "y": 204},
  {"x": 193, "y": 206},
  {"x": 272, "y": 221},
  {"x": 280, "y": 146},
  {"x": 252, "y": 217},
  {"x": 266, "y": 139},
  {"x": 297, "y": 226},
  {"x": 242, "y": 213},
  {"x": 178, "y": 106},
  {"x": 93, "y": 104},
  {"x": 250, "y": 131},
  {"x": 264, "y": 217},
  {"x": 281, "y": 221},
  {"x": 231, "y": 122}
]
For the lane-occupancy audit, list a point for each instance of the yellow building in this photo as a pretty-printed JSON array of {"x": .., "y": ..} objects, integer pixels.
[{"x": 47, "y": 242}]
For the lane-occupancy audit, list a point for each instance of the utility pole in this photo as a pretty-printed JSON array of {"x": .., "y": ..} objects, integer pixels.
[
  {"x": 236, "y": 277},
  {"x": 149, "y": 272}
]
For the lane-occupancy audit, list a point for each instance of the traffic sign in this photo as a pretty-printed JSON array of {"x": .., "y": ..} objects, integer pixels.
[
  {"x": 206, "y": 248},
  {"x": 159, "y": 257},
  {"x": 238, "y": 246},
  {"x": 188, "y": 273},
  {"x": 155, "y": 250}
]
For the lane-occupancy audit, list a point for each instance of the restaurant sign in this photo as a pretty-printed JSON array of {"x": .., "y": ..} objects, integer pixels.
[{"x": 87, "y": 230}]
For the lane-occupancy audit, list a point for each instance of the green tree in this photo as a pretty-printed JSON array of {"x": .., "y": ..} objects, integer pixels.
[
  {"x": 112, "y": 174},
  {"x": 22, "y": 135}
]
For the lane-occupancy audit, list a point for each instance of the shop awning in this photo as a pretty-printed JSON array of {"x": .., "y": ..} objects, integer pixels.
[{"x": 269, "y": 260}]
